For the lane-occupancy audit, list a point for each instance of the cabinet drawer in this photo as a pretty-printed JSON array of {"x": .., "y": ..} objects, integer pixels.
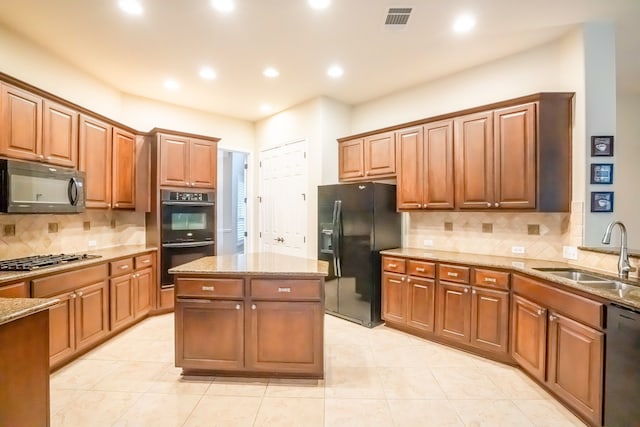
[
  {"x": 143, "y": 261},
  {"x": 293, "y": 289},
  {"x": 218, "y": 288},
  {"x": 491, "y": 278},
  {"x": 397, "y": 265},
  {"x": 454, "y": 273},
  {"x": 14, "y": 290},
  {"x": 64, "y": 282},
  {"x": 578, "y": 308},
  {"x": 122, "y": 266},
  {"x": 421, "y": 268}
]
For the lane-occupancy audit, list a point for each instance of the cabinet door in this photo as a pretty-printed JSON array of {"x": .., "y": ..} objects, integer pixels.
[
  {"x": 121, "y": 298},
  {"x": 437, "y": 164},
  {"x": 490, "y": 319},
  {"x": 203, "y": 156},
  {"x": 474, "y": 157},
  {"x": 124, "y": 170},
  {"x": 62, "y": 328},
  {"x": 515, "y": 157},
  {"x": 528, "y": 336},
  {"x": 209, "y": 334},
  {"x": 394, "y": 298},
  {"x": 92, "y": 313},
  {"x": 351, "y": 159},
  {"x": 60, "y": 135},
  {"x": 174, "y": 160},
  {"x": 454, "y": 311},
  {"x": 20, "y": 124},
  {"x": 380, "y": 155},
  {"x": 286, "y": 337},
  {"x": 576, "y": 365},
  {"x": 421, "y": 303},
  {"x": 95, "y": 161},
  {"x": 410, "y": 184},
  {"x": 143, "y": 292}
]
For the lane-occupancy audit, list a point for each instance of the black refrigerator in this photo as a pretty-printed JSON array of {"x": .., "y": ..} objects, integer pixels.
[{"x": 356, "y": 222}]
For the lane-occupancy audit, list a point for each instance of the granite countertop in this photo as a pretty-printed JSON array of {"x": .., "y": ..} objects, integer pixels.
[
  {"x": 15, "y": 308},
  {"x": 629, "y": 297},
  {"x": 254, "y": 264},
  {"x": 106, "y": 255}
]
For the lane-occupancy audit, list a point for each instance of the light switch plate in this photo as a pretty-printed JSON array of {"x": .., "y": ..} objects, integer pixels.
[
  {"x": 517, "y": 249},
  {"x": 427, "y": 242},
  {"x": 570, "y": 252}
]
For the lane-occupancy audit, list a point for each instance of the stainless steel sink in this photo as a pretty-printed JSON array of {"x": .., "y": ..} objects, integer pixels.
[{"x": 575, "y": 275}]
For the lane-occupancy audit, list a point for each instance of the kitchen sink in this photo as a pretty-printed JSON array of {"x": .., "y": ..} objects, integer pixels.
[{"x": 575, "y": 275}]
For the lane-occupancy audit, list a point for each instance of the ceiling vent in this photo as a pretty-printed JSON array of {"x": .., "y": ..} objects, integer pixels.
[{"x": 397, "y": 17}]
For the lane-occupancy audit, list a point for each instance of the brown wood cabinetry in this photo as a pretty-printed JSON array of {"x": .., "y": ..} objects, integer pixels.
[
  {"x": 95, "y": 161},
  {"x": 121, "y": 296},
  {"x": 367, "y": 158},
  {"x": 21, "y": 123},
  {"x": 454, "y": 311},
  {"x": 187, "y": 162},
  {"x": 132, "y": 289},
  {"x": 425, "y": 171},
  {"x": 490, "y": 319},
  {"x": 265, "y": 325},
  {"x": 123, "y": 185},
  {"x": 60, "y": 135},
  {"x": 15, "y": 290},
  {"x": 528, "y": 336},
  {"x": 394, "y": 298}
]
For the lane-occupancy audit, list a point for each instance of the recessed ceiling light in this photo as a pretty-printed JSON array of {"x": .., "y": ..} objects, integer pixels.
[
  {"x": 266, "y": 108},
  {"x": 132, "y": 7},
  {"x": 223, "y": 5},
  {"x": 464, "y": 23},
  {"x": 319, "y": 4},
  {"x": 270, "y": 72},
  {"x": 171, "y": 84},
  {"x": 335, "y": 71},
  {"x": 207, "y": 73}
]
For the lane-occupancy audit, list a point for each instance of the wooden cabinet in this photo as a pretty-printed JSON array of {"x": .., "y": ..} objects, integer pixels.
[
  {"x": 490, "y": 319},
  {"x": 250, "y": 325},
  {"x": 454, "y": 311},
  {"x": 143, "y": 288},
  {"x": 21, "y": 123},
  {"x": 131, "y": 287},
  {"x": 408, "y": 299},
  {"x": 123, "y": 185},
  {"x": 187, "y": 162},
  {"x": 60, "y": 135},
  {"x": 425, "y": 171},
  {"x": 95, "y": 161},
  {"x": 121, "y": 296},
  {"x": 15, "y": 290},
  {"x": 371, "y": 157},
  {"x": 528, "y": 336}
]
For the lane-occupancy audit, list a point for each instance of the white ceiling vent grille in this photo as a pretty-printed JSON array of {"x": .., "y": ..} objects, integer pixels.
[{"x": 397, "y": 17}]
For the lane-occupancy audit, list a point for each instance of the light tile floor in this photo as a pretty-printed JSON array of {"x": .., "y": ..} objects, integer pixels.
[{"x": 374, "y": 377}]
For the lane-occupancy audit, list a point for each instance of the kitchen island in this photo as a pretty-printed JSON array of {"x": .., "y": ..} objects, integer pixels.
[{"x": 259, "y": 314}]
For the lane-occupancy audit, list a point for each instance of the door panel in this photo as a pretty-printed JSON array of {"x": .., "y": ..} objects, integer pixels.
[
  {"x": 421, "y": 303},
  {"x": 380, "y": 154},
  {"x": 62, "y": 328},
  {"x": 202, "y": 163},
  {"x": 351, "y": 159},
  {"x": 528, "y": 336},
  {"x": 95, "y": 161},
  {"x": 490, "y": 319},
  {"x": 410, "y": 182},
  {"x": 174, "y": 160},
  {"x": 92, "y": 313},
  {"x": 454, "y": 311},
  {"x": 438, "y": 165},
  {"x": 121, "y": 295},
  {"x": 124, "y": 169},
  {"x": 60, "y": 135},
  {"x": 21, "y": 130},
  {"x": 394, "y": 298}
]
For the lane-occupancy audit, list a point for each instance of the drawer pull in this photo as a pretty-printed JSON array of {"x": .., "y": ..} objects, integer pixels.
[
  {"x": 450, "y": 274},
  {"x": 208, "y": 288},
  {"x": 420, "y": 286},
  {"x": 420, "y": 269},
  {"x": 490, "y": 280},
  {"x": 395, "y": 281},
  {"x": 146, "y": 261},
  {"x": 473, "y": 291},
  {"x": 253, "y": 306},
  {"x": 393, "y": 265},
  {"x": 237, "y": 306},
  {"x": 284, "y": 289},
  {"x": 123, "y": 267},
  {"x": 466, "y": 290}
]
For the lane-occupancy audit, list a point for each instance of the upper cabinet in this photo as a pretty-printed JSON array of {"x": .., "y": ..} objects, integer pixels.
[
  {"x": 36, "y": 129},
  {"x": 367, "y": 158},
  {"x": 513, "y": 154},
  {"x": 108, "y": 158},
  {"x": 187, "y": 162}
]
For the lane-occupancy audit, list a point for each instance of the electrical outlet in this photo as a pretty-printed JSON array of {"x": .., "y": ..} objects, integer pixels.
[
  {"x": 518, "y": 264},
  {"x": 517, "y": 249},
  {"x": 427, "y": 242},
  {"x": 92, "y": 243},
  {"x": 570, "y": 252}
]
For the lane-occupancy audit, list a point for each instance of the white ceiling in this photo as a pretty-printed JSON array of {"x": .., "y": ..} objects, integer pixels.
[{"x": 174, "y": 38}]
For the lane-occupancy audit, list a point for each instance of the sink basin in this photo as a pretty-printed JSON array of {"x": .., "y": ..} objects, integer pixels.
[{"x": 575, "y": 275}]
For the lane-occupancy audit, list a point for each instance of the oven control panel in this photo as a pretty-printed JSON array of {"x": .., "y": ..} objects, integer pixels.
[{"x": 179, "y": 196}]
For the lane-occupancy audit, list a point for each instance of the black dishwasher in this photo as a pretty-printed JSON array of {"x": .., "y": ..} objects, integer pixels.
[{"x": 622, "y": 374}]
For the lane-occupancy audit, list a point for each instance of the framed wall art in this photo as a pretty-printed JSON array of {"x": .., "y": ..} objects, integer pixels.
[
  {"x": 601, "y": 146},
  {"x": 602, "y": 201},
  {"x": 602, "y": 173}
]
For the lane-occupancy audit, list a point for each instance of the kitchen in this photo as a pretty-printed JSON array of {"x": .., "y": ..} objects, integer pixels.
[{"x": 557, "y": 65}]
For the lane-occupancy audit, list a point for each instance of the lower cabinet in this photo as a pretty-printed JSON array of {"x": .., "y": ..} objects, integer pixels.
[
  {"x": 131, "y": 293},
  {"x": 490, "y": 319},
  {"x": 454, "y": 311},
  {"x": 121, "y": 291},
  {"x": 528, "y": 336},
  {"x": 421, "y": 303}
]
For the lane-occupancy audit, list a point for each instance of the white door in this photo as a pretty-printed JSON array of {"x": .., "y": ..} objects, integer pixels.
[{"x": 283, "y": 199}]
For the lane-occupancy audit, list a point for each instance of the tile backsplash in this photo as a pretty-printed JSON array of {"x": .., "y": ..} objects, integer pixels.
[{"x": 25, "y": 235}]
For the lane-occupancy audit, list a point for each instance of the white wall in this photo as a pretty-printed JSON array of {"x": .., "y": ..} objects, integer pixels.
[{"x": 335, "y": 122}]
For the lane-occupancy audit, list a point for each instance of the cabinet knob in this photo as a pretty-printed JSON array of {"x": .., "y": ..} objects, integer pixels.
[
  {"x": 402, "y": 278},
  {"x": 409, "y": 280},
  {"x": 41, "y": 156},
  {"x": 488, "y": 204},
  {"x": 552, "y": 318},
  {"x": 496, "y": 204},
  {"x": 466, "y": 290},
  {"x": 116, "y": 205},
  {"x": 79, "y": 294},
  {"x": 237, "y": 306},
  {"x": 473, "y": 291},
  {"x": 73, "y": 296},
  {"x": 540, "y": 312},
  {"x": 253, "y": 306}
]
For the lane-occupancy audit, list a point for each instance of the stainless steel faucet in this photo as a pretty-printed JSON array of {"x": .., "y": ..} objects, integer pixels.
[{"x": 623, "y": 262}]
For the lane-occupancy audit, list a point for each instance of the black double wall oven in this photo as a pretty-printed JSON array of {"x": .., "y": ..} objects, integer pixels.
[{"x": 188, "y": 229}]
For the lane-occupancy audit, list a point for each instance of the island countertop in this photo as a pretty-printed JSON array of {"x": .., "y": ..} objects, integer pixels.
[
  {"x": 263, "y": 264},
  {"x": 15, "y": 308}
]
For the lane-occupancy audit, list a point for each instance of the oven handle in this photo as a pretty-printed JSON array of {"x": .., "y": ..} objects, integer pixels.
[
  {"x": 188, "y": 244},
  {"x": 188, "y": 203}
]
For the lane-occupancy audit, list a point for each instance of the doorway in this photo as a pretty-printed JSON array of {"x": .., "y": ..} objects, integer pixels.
[{"x": 232, "y": 202}]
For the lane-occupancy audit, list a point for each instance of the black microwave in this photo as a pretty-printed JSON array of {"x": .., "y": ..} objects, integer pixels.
[{"x": 27, "y": 187}]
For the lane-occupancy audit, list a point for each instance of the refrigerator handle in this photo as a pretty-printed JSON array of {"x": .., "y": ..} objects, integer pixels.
[{"x": 337, "y": 235}]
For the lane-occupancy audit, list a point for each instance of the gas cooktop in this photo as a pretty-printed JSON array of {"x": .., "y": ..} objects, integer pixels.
[{"x": 40, "y": 261}]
